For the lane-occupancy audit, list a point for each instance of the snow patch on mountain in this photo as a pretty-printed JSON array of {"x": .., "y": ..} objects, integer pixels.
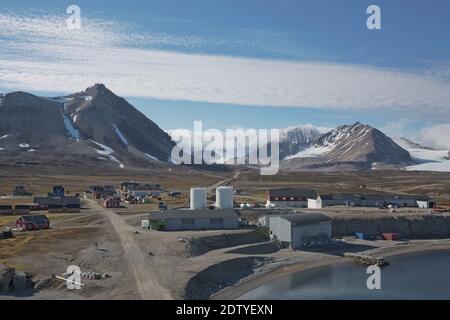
[
  {"x": 74, "y": 133},
  {"x": 312, "y": 151},
  {"x": 24, "y": 145},
  {"x": 152, "y": 157},
  {"x": 107, "y": 152},
  {"x": 120, "y": 135}
]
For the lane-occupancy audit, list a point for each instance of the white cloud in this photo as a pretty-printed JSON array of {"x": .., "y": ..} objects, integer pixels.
[
  {"x": 437, "y": 136},
  {"x": 40, "y": 54}
]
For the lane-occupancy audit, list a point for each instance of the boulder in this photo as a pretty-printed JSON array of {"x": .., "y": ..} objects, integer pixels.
[
  {"x": 6, "y": 277},
  {"x": 20, "y": 281}
]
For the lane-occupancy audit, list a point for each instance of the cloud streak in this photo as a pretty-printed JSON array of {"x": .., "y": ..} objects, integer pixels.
[{"x": 40, "y": 54}]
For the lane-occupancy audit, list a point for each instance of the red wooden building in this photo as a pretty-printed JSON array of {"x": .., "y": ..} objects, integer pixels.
[
  {"x": 32, "y": 223},
  {"x": 111, "y": 202}
]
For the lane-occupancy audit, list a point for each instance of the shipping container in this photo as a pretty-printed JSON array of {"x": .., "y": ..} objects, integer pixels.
[{"x": 391, "y": 236}]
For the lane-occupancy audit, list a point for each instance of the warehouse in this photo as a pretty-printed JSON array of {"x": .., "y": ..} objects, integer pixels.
[
  {"x": 300, "y": 229},
  {"x": 173, "y": 220},
  {"x": 58, "y": 204}
]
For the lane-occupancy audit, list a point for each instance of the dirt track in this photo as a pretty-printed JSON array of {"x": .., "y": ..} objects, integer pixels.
[{"x": 146, "y": 280}]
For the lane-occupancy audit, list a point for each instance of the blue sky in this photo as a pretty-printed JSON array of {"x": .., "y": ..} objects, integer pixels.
[{"x": 234, "y": 63}]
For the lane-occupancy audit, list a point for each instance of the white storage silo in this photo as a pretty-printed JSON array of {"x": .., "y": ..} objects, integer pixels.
[
  {"x": 224, "y": 197},
  {"x": 198, "y": 198}
]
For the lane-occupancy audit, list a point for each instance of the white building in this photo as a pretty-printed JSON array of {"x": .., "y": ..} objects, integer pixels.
[
  {"x": 315, "y": 203},
  {"x": 301, "y": 229},
  {"x": 426, "y": 204}
]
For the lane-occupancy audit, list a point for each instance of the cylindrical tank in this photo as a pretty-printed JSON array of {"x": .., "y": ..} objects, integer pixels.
[
  {"x": 198, "y": 198},
  {"x": 224, "y": 197}
]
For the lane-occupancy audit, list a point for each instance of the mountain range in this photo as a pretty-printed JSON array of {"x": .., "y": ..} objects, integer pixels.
[
  {"x": 92, "y": 126},
  {"x": 97, "y": 127}
]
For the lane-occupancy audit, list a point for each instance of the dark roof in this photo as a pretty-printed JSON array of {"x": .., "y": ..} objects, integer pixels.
[
  {"x": 22, "y": 206},
  {"x": 373, "y": 196},
  {"x": 193, "y": 214},
  {"x": 5, "y": 207},
  {"x": 326, "y": 196},
  {"x": 305, "y": 218},
  {"x": 61, "y": 201},
  {"x": 413, "y": 197},
  {"x": 423, "y": 198},
  {"x": 40, "y": 219},
  {"x": 292, "y": 192}
]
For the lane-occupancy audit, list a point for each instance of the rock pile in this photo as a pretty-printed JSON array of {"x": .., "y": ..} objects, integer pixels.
[
  {"x": 366, "y": 260},
  {"x": 12, "y": 280}
]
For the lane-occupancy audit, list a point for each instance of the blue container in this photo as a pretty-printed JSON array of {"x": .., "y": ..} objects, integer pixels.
[{"x": 360, "y": 235}]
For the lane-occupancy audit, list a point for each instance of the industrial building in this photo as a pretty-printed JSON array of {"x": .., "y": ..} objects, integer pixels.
[
  {"x": 299, "y": 230},
  {"x": 370, "y": 200},
  {"x": 177, "y": 220},
  {"x": 58, "y": 204}
]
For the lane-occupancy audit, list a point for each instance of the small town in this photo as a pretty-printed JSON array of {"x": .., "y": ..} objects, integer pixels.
[
  {"x": 223, "y": 158},
  {"x": 281, "y": 220}
]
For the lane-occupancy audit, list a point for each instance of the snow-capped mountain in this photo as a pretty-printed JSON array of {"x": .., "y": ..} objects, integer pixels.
[
  {"x": 426, "y": 158},
  {"x": 96, "y": 126},
  {"x": 91, "y": 125},
  {"x": 408, "y": 144},
  {"x": 350, "y": 146},
  {"x": 296, "y": 139}
]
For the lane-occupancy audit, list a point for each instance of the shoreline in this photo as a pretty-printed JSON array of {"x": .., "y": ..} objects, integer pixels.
[{"x": 250, "y": 283}]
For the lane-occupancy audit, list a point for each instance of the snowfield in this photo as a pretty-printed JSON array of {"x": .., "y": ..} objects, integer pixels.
[
  {"x": 310, "y": 152},
  {"x": 431, "y": 160},
  {"x": 24, "y": 145}
]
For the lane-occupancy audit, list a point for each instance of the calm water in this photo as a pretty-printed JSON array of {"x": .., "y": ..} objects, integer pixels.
[{"x": 423, "y": 276}]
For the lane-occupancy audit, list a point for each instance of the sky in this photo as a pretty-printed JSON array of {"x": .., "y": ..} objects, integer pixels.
[{"x": 242, "y": 63}]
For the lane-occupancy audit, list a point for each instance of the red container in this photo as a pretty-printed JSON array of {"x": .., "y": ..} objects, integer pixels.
[{"x": 391, "y": 236}]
